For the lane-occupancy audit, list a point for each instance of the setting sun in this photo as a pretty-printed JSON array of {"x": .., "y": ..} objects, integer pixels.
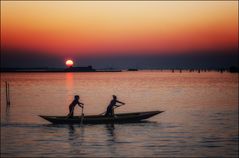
[{"x": 69, "y": 63}]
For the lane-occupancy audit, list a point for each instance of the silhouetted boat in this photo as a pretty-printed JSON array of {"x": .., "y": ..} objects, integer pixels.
[{"x": 101, "y": 119}]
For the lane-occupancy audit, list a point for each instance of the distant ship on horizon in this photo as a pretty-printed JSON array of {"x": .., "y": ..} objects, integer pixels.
[{"x": 80, "y": 69}]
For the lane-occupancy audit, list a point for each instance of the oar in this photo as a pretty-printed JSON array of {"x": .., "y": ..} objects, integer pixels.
[
  {"x": 82, "y": 115},
  {"x": 106, "y": 110}
]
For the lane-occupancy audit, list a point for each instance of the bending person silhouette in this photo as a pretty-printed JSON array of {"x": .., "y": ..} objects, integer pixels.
[
  {"x": 110, "y": 108},
  {"x": 73, "y": 104}
]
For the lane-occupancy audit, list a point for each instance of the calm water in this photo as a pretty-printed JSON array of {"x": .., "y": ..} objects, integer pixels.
[{"x": 200, "y": 118}]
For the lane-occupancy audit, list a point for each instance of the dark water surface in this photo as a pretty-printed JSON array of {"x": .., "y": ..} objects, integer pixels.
[{"x": 200, "y": 118}]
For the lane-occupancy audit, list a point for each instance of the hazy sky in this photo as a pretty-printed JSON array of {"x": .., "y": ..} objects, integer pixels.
[{"x": 80, "y": 29}]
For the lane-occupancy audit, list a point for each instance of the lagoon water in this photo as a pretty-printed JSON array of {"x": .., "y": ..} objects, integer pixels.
[{"x": 200, "y": 118}]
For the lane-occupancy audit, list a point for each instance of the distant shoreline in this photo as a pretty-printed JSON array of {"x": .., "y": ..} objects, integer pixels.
[
  {"x": 61, "y": 70},
  {"x": 35, "y": 71},
  {"x": 231, "y": 70}
]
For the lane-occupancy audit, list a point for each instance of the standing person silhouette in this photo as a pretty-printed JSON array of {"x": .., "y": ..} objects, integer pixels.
[
  {"x": 110, "y": 108},
  {"x": 73, "y": 104}
]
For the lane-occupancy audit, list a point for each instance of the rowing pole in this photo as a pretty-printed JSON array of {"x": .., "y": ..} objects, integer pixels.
[
  {"x": 112, "y": 109},
  {"x": 82, "y": 116}
]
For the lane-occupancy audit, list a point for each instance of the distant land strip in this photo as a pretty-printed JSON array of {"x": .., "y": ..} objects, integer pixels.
[{"x": 232, "y": 69}]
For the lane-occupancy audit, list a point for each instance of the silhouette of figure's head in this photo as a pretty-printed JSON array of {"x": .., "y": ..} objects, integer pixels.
[
  {"x": 114, "y": 97},
  {"x": 77, "y": 97}
]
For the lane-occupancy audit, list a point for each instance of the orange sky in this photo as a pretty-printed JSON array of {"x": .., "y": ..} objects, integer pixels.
[{"x": 87, "y": 27}]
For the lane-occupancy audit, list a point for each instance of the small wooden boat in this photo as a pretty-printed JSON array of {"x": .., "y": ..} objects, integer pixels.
[{"x": 101, "y": 119}]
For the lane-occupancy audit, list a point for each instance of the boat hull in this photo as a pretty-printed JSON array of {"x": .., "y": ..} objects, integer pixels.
[{"x": 101, "y": 119}]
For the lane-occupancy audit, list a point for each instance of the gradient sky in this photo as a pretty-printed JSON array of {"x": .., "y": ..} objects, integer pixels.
[{"x": 86, "y": 28}]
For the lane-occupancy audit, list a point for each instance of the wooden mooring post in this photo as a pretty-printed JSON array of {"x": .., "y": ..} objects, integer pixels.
[{"x": 7, "y": 93}]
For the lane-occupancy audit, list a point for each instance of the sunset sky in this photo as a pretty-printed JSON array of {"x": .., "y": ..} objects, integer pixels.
[{"x": 78, "y": 29}]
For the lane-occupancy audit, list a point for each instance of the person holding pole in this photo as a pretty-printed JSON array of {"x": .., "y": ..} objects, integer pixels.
[
  {"x": 73, "y": 104},
  {"x": 110, "y": 108}
]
